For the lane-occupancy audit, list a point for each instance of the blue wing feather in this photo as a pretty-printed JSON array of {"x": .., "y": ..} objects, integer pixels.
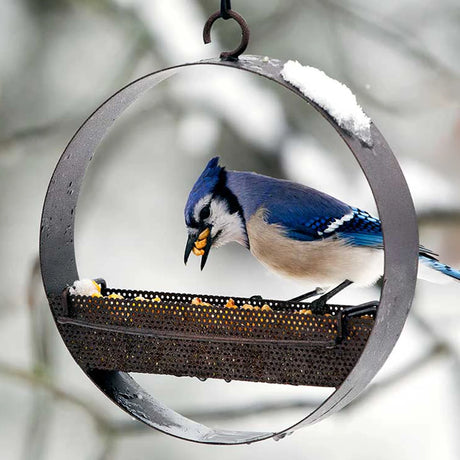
[
  {"x": 307, "y": 214},
  {"x": 298, "y": 208},
  {"x": 361, "y": 230}
]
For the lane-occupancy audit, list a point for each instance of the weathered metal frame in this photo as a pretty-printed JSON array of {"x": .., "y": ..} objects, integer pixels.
[{"x": 396, "y": 210}]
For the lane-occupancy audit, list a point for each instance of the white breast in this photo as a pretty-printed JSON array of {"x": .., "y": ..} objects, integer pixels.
[{"x": 324, "y": 262}]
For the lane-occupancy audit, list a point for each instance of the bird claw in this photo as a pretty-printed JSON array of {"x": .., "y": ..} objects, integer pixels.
[{"x": 256, "y": 297}]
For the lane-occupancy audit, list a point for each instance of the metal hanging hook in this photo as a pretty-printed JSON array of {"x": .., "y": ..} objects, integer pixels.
[{"x": 226, "y": 12}]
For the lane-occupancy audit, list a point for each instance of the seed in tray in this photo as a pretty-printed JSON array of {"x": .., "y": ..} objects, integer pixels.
[{"x": 115, "y": 296}]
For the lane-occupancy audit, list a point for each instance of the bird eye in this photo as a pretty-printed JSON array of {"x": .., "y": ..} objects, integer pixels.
[{"x": 204, "y": 213}]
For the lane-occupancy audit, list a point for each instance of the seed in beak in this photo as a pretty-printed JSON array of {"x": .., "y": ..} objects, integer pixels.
[
  {"x": 200, "y": 244},
  {"x": 204, "y": 234},
  {"x": 197, "y": 252}
]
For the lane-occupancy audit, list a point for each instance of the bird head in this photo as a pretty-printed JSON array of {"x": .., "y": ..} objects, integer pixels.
[{"x": 213, "y": 215}]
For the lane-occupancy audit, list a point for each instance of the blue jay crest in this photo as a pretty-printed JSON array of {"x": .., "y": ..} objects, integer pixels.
[{"x": 204, "y": 185}]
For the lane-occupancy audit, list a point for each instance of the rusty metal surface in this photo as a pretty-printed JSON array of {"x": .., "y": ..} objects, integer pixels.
[
  {"x": 175, "y": 337},
  {"x": 245, "y": 33},
  {"x": 399, "y": 226}
]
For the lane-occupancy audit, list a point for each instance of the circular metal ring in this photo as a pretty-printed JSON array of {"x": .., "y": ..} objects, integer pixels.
[
  {"x": 399, "y": 225},
  {"x": 234, "y": 54}
]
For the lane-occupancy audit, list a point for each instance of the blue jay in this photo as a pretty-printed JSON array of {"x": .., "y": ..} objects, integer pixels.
[{"x": 294, "y": 230}]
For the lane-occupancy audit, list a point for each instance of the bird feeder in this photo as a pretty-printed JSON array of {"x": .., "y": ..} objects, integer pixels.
[{"x": 110, "y": 337}]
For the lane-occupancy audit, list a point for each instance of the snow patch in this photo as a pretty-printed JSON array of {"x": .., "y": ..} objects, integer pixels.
[
  {"x": 85, "y": 287},
  {"x": 333, "y": 96}
]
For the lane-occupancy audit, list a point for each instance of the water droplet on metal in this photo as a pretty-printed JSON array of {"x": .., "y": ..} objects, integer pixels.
[{"x": 279, "y": 437}]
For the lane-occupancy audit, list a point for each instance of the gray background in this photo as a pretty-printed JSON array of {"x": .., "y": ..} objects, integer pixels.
[{"x": 60, "y": 59}]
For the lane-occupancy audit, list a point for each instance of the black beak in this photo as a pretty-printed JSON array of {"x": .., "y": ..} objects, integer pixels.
[
  {"x": 188, "y": 248},
  {"x": 207, "y": 248},
  {"x": 191, "y": 243}
]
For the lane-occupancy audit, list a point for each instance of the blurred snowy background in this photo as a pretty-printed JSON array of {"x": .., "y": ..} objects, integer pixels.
[{"x": 60, "y": 59}]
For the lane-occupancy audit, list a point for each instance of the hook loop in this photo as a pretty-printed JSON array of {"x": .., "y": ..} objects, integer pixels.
[
  {"x": 225, "y": 7},
  {"x": 226, "y": 10}
]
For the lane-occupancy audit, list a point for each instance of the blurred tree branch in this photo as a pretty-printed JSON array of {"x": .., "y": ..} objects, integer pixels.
[
  {"x": 38, "y": 380},
  {"x": 439, "y": 217},
  {"x": 39, "y": 421},
  {"x": 388, "y": 32}
]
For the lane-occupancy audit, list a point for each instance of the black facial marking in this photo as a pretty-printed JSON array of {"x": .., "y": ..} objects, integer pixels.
[
  {"x": 192, "y": 223},
  {"x": 216, "y": 237},
  {"x": 221, "y": 190}
]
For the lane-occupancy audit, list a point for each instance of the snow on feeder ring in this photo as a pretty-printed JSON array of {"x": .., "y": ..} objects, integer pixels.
[{"x": 109, "y": 337}]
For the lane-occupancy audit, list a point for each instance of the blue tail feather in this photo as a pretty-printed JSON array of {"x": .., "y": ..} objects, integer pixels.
[{"x": 440, "y": 267}]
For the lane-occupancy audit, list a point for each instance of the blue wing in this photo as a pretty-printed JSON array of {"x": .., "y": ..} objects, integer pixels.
[
  {"x": 307, "y": 214},
  {"x": 357, "y": 228}
]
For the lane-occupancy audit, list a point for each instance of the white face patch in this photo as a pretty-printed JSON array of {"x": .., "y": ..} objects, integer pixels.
[{"x": 227, "y": 227}]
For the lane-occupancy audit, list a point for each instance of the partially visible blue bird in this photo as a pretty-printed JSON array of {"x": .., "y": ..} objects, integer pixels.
[{"x": 294, "y": 230}]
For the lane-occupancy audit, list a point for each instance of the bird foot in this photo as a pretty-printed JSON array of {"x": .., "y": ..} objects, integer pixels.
[
  {"x": 319, "y": 305},
  {"x": 256, "y": 297},
  {"x": 315, "y": 292}
]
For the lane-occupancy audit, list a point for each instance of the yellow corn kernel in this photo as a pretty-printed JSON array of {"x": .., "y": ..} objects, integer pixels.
[
  {"x": 327, "y": 314},
  {"x": 256, "y": 307},
  {"x": 265, "y": 307},
  {"x": 157, "y": 299},
  {"x": 139, "y": 297},
  {"x": 115, "y": 296},
  {"x": 246, "y": 306},
  {"x": 200, "y": 244},
  {"x": 97, "y": 294},
  {"x": 196, "y": 301},
  {"x": 97, "y": 286},
  {"x": 230, "y": 304},
  {"x": 197, "y": 252},
  {"x": 204, "y": 234}
]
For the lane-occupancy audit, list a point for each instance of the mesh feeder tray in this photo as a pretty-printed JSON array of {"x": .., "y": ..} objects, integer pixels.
[
  {"x": 176, "y": 337},
  {"x": 111, "y": 337}
]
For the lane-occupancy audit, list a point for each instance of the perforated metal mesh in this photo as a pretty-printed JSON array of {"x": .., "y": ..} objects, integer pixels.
[{"x": 174, "y": 337}]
